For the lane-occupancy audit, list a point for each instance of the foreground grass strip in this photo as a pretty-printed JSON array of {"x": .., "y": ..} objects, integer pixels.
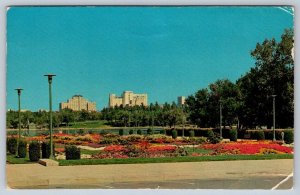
[
  {"x": 12, "y": 159},
  {"x": 173, "y": 159}
]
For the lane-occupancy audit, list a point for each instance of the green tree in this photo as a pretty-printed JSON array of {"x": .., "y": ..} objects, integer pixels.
[{"x": 273, "y": 74}]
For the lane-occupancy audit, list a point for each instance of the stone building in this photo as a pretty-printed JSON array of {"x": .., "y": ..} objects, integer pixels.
[
  {"x": 78, "y": 103},
  {"x": 128, "y": 98},
  {"x": 180, "y": 100}
]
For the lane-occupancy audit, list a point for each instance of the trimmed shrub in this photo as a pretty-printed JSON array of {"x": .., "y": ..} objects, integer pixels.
[
  {"x": 162, "y": 131},
  {"x": 11, "y": 145},
  {"x": 192, "y": 133},
  {"x": 121, "y": 132},
  {"x": 174, "y": 134},
  {"x": 90, "y": 131},
  {"x": 149, "y": 131},
  {"x": 72, "y": 152},
  {"x": 288, "y": 137},
  {"x": 213, "y": 137},
  {"x": 260, "y": 135},
  {"x": 46, "y": 149},
  {"x": 233, "y": 135},
  {"x": 130, "y": 132},
  {"x": 103, "y": 132},
  {"x": 34, "y": 151},
  {"x": 139, "y": 132},
  {"x": 22, "y": 149},
  {"x": 80, "y": 132}
]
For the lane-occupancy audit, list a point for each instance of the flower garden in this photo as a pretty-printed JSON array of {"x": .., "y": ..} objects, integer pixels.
[{"x": 112, "y": 146}]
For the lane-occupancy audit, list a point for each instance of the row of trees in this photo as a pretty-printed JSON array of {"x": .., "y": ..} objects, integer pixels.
[
  {"x": 153, "y": 115},
  {"x": 41, "y": 118},
  {"x": 248, "y": 101}
]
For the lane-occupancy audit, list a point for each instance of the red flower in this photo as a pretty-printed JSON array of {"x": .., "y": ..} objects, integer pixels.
[{"x": 246, "y": 147}]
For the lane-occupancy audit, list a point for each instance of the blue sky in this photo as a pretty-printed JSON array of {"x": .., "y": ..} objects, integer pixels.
[{"x": 162, "y": 51}]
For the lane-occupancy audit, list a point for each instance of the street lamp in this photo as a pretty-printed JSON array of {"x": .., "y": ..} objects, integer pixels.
[
  {"x": 220, "y": 118},
  {"x": 274, "y": 138},
  {"x": 50, "y": 112},
  {"x": 19, "y": 115}
]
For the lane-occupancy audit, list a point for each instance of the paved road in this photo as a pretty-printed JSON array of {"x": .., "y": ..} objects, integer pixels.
[{"x": 256, "y": 174}]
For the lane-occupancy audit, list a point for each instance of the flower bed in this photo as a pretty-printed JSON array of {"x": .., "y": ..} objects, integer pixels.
[
  {"x": 143, "y": 149},
  {"x": 247, "y": 148}
]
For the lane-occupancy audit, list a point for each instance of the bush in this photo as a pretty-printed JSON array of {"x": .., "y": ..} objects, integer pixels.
[
  {"x": 103, "y": 132},
  {"x": 139, "y": 132},
  {"x": 108, "y": 140},
  {"x": 22, "y": 150},
  {"x": 260, "y": 135},
  {"x": 233, "y": 135},
  {"x": 80, "y": 132},
  {"x": 46, "y": 149},
  {"x": 162, "y": 131},
  {"x": 197, "y": 141},
  {"x": 149, "y": 131},
  {"x": 122, "y": 141},
  {"x": 90, "y": 131},
  {"x": 192, "y": 133},
  {"x": 134, "y": 138},
  {"x": 213, "y": 137},
  {"x": 288, "y": 137},
  {"x": 130, "y": 132},
  {"x": 174, "y": 134},
  {"x": 34, "y": 151},
  {"x": 72, "y": 152},
  {"x": 11, "y": 145},
  {"x": 121, "y": 132}
]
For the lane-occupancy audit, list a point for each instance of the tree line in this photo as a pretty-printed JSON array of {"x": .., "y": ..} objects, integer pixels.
[
  {"x": 245, "y": 103},
  {"x": 41, "y": 118},
  {"x": 248, "y": 102}
]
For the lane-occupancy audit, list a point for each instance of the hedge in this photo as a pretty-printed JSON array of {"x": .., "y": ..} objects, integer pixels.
[
  {"x": 233, "y": 135},
  {"x": 34, "y": 151},
  {"x": 149, "y": 131},
  {"x": 22, "y": 149},
  {"x": 192, "y": 133},
  {"x": 288, "y": 137},
  {"x": 46, "y": 149},
  {"x": 72, "y": 152},
  {"x": 174, "y": 134},
  {"x": 11, "y": 145}
]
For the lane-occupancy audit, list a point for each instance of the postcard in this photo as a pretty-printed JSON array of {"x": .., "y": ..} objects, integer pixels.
[{"x": 150, "y": 97}]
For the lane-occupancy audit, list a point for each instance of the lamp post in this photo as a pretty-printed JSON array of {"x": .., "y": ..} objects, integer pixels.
[
  {"x": 220, "y": 118},
  {"x": 19, "y": 115},
  {"x": 50, "y": 112},
  {"x": 274, "y": 138}
]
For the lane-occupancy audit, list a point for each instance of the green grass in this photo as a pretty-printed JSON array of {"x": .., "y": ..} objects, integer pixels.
[
  {"x": 89, "y": 124},
  {"x": 173, "y": 159},
  {"x": 12, "y": 159}
]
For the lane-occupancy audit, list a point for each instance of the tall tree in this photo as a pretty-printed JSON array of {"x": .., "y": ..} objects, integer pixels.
[{"x": 272, "y": 75}]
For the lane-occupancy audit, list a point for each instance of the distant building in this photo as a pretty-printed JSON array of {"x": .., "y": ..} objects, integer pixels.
[
  {"x": 180, "y": 100},
  {"x": 128, "y": 98},
  {"x": 78, "y": 103}
]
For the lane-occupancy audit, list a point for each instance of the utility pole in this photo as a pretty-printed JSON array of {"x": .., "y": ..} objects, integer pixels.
[
  {"x": 220, "y": 118},
  {"x": 19, "y": 115},
  {"x": 274, "y": 138},
  {"x": 50, "y": 113}
]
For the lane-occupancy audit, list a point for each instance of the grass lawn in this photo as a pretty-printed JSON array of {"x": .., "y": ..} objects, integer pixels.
[
  {"x": 173, "y": 159},
  {"x": 89, "y": 124},
  {"x": 12, "y": 159},
  {"x": 197, "y": 150}
]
